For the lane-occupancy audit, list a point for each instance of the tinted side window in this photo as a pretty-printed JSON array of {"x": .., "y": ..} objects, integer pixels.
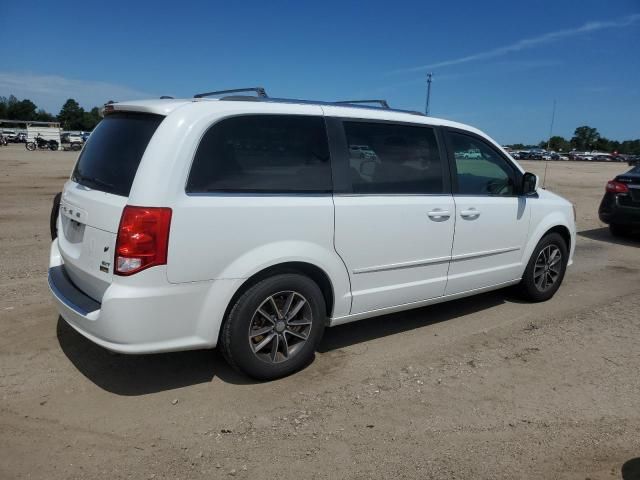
[
  {"x": 263, "y": 153},
  {"x": 480, "y": 169},
  {"x": 391, "y": 158}
]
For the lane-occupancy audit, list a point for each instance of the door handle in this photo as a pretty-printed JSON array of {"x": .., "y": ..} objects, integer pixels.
[
  {"x": 470, "y": 214},
  {"x": 439, "y": 214}
]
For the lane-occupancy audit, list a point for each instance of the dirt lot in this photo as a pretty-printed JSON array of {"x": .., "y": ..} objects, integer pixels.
[{"x": 485, "y": 387}]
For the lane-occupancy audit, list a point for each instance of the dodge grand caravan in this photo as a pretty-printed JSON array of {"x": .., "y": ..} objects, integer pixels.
[{"x": 252, "y": 223}]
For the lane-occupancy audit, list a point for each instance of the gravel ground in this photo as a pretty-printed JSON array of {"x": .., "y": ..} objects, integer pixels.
[{"x": 484, "y": 387}]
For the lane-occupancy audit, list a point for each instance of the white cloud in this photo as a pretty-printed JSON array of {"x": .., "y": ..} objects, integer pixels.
[
  {"x": 529, "y": 43},
  {"x": 51, "y": 91}
]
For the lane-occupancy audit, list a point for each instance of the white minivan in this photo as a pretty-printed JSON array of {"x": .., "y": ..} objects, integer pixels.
[{"x": 252, "y": 223}]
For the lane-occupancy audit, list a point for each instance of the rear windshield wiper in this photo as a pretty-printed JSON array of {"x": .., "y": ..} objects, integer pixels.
[{"x": 95, "y": 181}]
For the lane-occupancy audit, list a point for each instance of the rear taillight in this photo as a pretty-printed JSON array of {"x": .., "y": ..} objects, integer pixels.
[
  {"x": 143, "y": 238},
  {"x": 613, "y": 186}
]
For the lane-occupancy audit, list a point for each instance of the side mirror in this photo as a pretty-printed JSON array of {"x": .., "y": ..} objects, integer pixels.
[{"x": 529, "y": 184}]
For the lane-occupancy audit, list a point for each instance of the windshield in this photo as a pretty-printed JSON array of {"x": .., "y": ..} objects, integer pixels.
[{"x": 111, "y": 156}]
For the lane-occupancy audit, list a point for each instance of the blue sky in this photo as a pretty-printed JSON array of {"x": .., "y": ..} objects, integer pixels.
[{"x": 497, "y": 65}]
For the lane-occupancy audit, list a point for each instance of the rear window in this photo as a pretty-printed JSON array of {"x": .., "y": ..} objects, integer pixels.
[
  {"x": 263, "y": 153},
  {"x": 111, "y": 156}
]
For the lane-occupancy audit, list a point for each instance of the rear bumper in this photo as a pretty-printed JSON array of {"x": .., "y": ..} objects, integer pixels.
[
  {"x": 144, "y": 313},
  {"x": 612, "y": 211}
]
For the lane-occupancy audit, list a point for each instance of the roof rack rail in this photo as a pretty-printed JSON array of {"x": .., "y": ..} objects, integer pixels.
[
  {"x": 383, "y": 103},
  {"x": 260, "y": 91}
]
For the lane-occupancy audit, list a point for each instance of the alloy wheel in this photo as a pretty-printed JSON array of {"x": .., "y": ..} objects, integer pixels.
[
  {"x": 547, "y": 268},
  {"x": 280, "y": 326}
]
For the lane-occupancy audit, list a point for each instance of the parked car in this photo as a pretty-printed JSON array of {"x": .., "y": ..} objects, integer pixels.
[
  {"x": 239, "y": 223},
  {"x": 620, "y": 205},
  {"x": 536, "y": 154},
  {"x": 10, "y": 135},
  {"x": 72, "y": 141},
  {"x": 604, "y": 158}
]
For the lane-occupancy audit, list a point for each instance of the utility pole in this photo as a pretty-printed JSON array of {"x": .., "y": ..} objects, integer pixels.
[
  {"x": 426, "y": 110},
  {"x": 546, "y": 164},
  {"x": 553, "y": 116}
]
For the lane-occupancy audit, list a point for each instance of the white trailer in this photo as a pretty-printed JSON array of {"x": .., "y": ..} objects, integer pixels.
[{"x": 46, "y": 132}]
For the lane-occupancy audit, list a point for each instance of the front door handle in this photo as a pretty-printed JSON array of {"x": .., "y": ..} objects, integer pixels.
[
  {"x": 470, "y": 214},
  {"x": 439, "y": 215}
]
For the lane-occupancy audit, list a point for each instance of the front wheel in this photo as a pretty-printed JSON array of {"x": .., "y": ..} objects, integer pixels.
[
  {"x": 274, "y": 328},
  {"x": 31, "y": 146},
  {"x": 545, "y": 270}
]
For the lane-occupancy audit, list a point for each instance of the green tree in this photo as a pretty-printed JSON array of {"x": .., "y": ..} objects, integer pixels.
[
  {"x": 91, "y": 118},
  {"x": 44, "y": 116},
  {"x": 516, "y": 146},
  {"x": 3, "y": 107},
  {"x": 21, "y": 110},
  {"x": 603, "y": 144},
  {"x": 558, "y": 144},
  {"x": 71, "y": 115},
  {"x": 631, "y": 147},
  {"x": 585, "y": 138}
]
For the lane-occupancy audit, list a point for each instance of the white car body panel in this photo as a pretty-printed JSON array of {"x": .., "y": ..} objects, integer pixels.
[
  {"x": 488, "y": 242},
  {"x": 415, "y": 268},
  {"x": 381, "y": 253}
]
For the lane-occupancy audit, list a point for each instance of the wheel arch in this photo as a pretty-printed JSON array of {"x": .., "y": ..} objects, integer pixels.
[
  {"x": 563, "y": 231},
  {"x": 315, "y": 273},
  {"x": 553, "y": 223}
]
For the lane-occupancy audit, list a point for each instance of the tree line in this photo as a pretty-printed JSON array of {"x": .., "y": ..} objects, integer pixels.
[
  {"x": 71, "y": 116},
  {"x": 586, "y": 138}
]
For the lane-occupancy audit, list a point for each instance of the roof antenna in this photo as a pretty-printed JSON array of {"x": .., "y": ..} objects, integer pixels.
[
  {"x": 427, "y": 108},
  {"x": 546, "y": 163}
]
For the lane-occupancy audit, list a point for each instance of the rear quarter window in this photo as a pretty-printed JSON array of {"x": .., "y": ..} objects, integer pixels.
[
  {"x": 112, "y": 154},
  {"x": 263, "y": 153}
]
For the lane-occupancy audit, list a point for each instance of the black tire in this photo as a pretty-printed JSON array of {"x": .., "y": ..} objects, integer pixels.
[
  {"x": 53, "y": 218},
  {"x": 618, "y": 230},
  {"x": 528, "y": 287},
  {"x": 53, "y": 146},
  {"x": 76, "y": 147},
  {"x": 31, "y": 146},
  {"x": 235, "y": 339}
]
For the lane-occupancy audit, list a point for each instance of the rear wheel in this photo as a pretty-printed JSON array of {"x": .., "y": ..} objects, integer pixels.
[
  {"x": 545, "y": 270},
  {"x": 618, "y": 230},
  {"x": 274, "y": 327}
]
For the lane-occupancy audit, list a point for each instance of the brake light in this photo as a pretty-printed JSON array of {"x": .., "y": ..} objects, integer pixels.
[
  {"x": 143, "y": 239},
  {"x": 613, "y": 186}
]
